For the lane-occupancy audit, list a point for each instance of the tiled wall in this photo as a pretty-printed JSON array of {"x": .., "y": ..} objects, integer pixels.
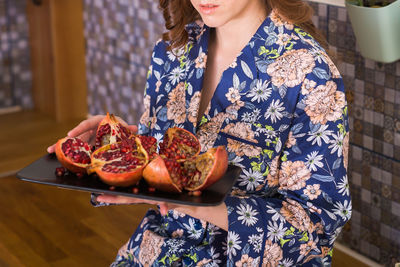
[
  {"x": 373, "y": 93},
  {"x": 121, "y": 33},
  {"x": 15, "y": 68},
  {"x": 120, "y": 37}
]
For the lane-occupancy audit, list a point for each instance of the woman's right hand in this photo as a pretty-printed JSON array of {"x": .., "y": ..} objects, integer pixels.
[{"x": 86, "y": 130}]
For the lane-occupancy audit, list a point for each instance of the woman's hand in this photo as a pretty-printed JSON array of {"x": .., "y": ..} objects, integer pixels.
[
  {"x": 86, "y": 130},
  {"x": 217, "y": 215}
]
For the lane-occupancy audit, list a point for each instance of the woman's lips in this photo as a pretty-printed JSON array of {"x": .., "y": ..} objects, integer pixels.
[{"x": 208, "y": 8}]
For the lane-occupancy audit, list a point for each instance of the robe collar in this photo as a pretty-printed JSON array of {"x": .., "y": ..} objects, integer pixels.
[{"x": 244, "y": 66}]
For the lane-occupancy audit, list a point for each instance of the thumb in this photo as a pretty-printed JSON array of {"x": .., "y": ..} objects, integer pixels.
[{"x": 163, "y": 208}]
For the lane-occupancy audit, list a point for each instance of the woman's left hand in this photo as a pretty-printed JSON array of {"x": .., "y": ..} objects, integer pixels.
[{"x": 217, "y": 215}]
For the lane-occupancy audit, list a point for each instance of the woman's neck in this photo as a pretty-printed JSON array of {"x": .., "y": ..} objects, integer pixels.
[{"x": 237, "y": 33}]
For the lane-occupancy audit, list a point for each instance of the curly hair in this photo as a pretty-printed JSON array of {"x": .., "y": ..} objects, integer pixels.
[{"x": 178, "y": 13}]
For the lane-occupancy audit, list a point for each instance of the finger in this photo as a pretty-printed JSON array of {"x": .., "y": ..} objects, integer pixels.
[
  {"x": 117, "y": 199},
  {"x": 123, "y": 200},
  {"x": 87, "y": 136},
  {"x": 86, "y": 125},
  {"x": 51, "y": 149}
]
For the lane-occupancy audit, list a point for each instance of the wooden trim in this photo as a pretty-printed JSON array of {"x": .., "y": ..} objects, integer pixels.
[
  {"x": 346, "y": 257},
  {"x": 58, "y": 58}
]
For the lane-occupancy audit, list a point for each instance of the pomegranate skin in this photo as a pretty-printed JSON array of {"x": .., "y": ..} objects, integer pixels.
[
  {"x": 121, "y": 179},
  {"x": 131, "y": 177},
  {"x": 156, "y": 175},
  {"x": 67, "y": 162},
  {"x": 218, "y": 169}
]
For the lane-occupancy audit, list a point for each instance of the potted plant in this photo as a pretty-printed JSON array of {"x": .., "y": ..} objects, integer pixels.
[{"x": 376, "y": 25}]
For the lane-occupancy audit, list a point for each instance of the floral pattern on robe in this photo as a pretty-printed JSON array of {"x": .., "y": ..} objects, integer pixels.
[{"x": 281, "y": 112}]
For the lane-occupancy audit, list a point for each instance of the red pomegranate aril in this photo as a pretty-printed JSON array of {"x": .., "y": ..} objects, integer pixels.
[
  {"x": 60, "y": 171},
  {"x": 135, "y": 190}
]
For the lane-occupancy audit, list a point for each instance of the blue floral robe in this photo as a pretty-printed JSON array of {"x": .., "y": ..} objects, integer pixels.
[{"x": 280, "y": 110}]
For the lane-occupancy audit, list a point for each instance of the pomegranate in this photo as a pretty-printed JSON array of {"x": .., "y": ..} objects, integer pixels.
[
  {"x": 149, "y": 143},
  {"x": 121, "y": 163},
  {"x": 206, "y": 169},
  {"x": 179, "y": 144},
  {"x": 195, "y": 174},
  {"x": 110, "y": 130},
  {"x": 73, "y": 154}
]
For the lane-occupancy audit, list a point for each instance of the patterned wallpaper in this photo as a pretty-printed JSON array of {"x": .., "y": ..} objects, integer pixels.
[
  {"x": 15, "y": 68},
  {"x": 120, "y": 36}
]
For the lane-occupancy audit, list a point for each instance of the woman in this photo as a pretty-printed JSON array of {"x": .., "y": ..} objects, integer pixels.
[{"x": 250, "y": 75}]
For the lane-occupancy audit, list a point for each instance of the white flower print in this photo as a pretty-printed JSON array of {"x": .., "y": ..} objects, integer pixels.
[
  {"x": 236, "y": 161},
  {"x": 250, "y": 179},
  {"x": 337, "y": 144},
  {"x": 256, "y": 242},
  {"x": 175, "y": 53},
  {"x": 232, "y": 244},
  {"x": 251, "y": 117},
  {"x": 176, "y": 75},
  {"x": 286, "y": 263},
  {"x": 194, "y": 233},
  {"x": 335, "y": 234},
  {"x": 343, "y": 186},
  {"x": 275, "y": 231},
  {"x": 260, "y": 92},
  {"x": 274, "y": 111},
  {"x": 322, "y": 134},
  {"x": 215, "y": 261},
  {"x": 276, "y": 214},
  {"x": 247, "y": 215},
  {"x": 175, "y": 244},
  {"x": 343, "y": 209},
  {"x": 314, "y": 161}
]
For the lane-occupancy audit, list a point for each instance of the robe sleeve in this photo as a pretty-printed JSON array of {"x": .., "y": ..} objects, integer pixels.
[{"x": 311, "y": 202}]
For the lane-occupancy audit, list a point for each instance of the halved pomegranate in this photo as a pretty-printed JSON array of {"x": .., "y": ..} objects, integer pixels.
[
  {"x": 196, "y": 174},
  {"x": 206, "y": 169},
  {"x": 73, "y": 154},
  {"x": 110, "y": 130},
  {"x": 179, "y": 144},
  {"x": 149, "y": 143},
  {"x": 121, "y": 163}
]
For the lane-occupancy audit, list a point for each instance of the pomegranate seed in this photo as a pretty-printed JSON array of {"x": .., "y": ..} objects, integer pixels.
[
  {"x": 135, "y": 190},
  {"x": 60, "y": 171},
  {"x": 196, "y": 193},
  {"x": 151, "y": 189}
]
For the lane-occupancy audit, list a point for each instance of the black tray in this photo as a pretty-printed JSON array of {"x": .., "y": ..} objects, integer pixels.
[{"x": 42, "y": 171}]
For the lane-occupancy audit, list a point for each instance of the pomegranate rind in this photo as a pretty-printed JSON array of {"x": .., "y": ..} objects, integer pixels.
[
  {"x": 121, "y": 179},
  {"x": 65, "y": 161},
  {"x": 118, "y": 179},
  {"x": 218, "y": 169},
  {"x": 156, "y": 175}
]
